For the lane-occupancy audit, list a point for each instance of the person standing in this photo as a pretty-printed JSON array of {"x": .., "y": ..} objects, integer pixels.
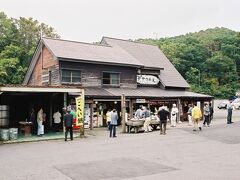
[
  {"x": 146, "y": 125},
  {"x": 163, "y": 116},
  {"x": 139, "y": 113},
  {"x": 189, "y": 115},
  {"x": 211, "y": 113},
  {"x": 57, "y": 120},
  {"x": 108, "y": 118},
  {"x": 196, "y": 116},
  {"x": 32, "y": 119},
  {"x": 113, "y": 123},
  {"x": 229, "y": 110},
  {"x": 40, "y": 131},
  {"x": 174, "y": 112},
  {"x": 147, "y": 112},
  {"x": 206, "y": 113},
  {"x": 68, "y": 123}
]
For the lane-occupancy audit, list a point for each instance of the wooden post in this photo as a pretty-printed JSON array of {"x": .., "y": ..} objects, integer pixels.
[
  {"x": 51, "y": 111},
  {"x": 65, "y": 106},
  {"x": 180, "y": 110},
  {"x": 123, "y": 110},
  {"x": 82, "y": 131},
  {"x": 131, "y": 108}
]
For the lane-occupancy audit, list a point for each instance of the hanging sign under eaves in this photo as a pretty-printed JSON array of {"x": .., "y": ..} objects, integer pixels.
[{"x": 147, "y": 79}]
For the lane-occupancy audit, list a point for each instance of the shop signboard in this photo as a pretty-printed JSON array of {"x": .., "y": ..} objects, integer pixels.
[
  {"x": 140, "y": 100},
  {"x": 147, "y": 79},
  {"x": 80, "y": 109}
]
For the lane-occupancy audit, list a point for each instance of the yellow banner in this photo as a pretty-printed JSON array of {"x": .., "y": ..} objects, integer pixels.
[{"x": 80, "y": 109}]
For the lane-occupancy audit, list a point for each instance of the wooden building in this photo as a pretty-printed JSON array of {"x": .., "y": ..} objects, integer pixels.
[{"x": 106, "y": 71}]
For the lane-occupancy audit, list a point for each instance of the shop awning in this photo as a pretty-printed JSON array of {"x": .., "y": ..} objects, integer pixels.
[
  {"x": 156, "y": 92},
  {"x": 141, "y": 92}
]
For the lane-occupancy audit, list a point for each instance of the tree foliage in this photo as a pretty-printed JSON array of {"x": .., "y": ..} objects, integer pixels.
[
  {"x": 209, "y": 60},
  {"x": 18, "y": 40}
]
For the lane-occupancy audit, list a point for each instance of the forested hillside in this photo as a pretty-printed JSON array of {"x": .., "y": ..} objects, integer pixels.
[
  {"x": 209, "y": 60},
  {"x": 18, "y": 39}
]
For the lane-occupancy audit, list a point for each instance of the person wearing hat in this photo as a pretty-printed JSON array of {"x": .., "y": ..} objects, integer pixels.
[{"x": 174, "y": 112}]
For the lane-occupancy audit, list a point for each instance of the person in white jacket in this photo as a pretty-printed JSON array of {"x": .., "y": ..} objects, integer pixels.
[
  {"x": 174, "y": 112},
  {"x": 40, "y": 120},
  {"x": 57, "y": 120}
]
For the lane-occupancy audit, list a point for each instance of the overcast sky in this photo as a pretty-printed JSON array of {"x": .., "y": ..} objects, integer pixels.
[{"x": 89, "y": 20}]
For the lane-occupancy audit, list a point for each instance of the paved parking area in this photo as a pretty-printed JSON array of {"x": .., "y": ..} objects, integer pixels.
[{"x": 181, "y": 154}]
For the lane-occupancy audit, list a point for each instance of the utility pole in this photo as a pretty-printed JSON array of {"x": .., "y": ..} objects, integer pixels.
[{"x": 156, "y": 35}]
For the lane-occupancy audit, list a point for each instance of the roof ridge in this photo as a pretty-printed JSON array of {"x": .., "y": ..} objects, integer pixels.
[
  {"x": 79, "y": 42},
  {"x": 131, "y": 41}
]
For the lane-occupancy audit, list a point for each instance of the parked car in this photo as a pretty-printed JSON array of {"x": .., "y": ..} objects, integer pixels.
[
  {"x": 223, "y": 105},
  {"x": 236, "y": 103}
]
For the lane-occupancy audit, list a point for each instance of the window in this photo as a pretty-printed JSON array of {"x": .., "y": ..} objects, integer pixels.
[
  {"x": 112, "y": 79},
  {"x": 71, "y": 76}
]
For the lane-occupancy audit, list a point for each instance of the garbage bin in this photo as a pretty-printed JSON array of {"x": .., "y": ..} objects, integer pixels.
[
  {"x": 13, "y": 133},
  {"x": 4, "y": 134}
]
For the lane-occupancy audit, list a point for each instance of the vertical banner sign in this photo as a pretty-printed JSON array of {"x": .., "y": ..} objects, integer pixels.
[{"x": 80, "y": 109}]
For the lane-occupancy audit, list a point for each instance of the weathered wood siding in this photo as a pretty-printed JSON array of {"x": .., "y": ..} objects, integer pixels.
[
  {"x": 49, "y": 66},
  {"x": 92, "y": 73}
]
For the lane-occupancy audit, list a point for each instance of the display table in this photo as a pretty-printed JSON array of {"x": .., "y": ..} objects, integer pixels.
[
  {"x": 134, "y": 123},
  {"x": 26, "y": 127}
]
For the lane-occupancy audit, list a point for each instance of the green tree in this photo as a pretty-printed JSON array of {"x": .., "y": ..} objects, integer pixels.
[
  {"x": 7, "y": 31},
  {"x": 18, "y": 40},
  {"x": 209, "y": 60}
]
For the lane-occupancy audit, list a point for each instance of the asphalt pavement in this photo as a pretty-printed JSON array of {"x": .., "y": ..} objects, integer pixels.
[{"x": 212, "y": 153}]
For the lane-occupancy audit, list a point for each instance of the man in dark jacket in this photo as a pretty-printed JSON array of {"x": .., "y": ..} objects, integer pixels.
[
  {"x": 211, "y": 113},
  {"x": 68, "y": 122},
  {"x": 163, "y": 115}
]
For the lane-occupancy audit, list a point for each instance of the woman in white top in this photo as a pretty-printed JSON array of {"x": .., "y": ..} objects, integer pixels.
[
  {"x": 57, "y": 120},
  {"x": 40, "y": 119},
  {"x": 108, "y": 118},
  {"x": 174, "y": 112}
]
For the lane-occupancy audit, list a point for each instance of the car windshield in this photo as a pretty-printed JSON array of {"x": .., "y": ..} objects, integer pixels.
[{"x": 236, "y": 100}]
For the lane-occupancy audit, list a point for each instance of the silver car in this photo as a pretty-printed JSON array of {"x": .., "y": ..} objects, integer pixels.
[
  {"x": 223, "y": 105},
  {"x": 236, "y": 103}
]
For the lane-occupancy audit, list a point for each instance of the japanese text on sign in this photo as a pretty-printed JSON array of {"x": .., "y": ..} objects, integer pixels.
[{"x": 80, "y": 109}]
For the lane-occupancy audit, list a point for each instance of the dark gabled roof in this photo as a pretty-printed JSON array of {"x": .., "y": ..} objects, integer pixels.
[
  {"x": 86, "y": 52},
  {"x": 112, "y": 52},
  {"x": 151, "y": 56}
]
